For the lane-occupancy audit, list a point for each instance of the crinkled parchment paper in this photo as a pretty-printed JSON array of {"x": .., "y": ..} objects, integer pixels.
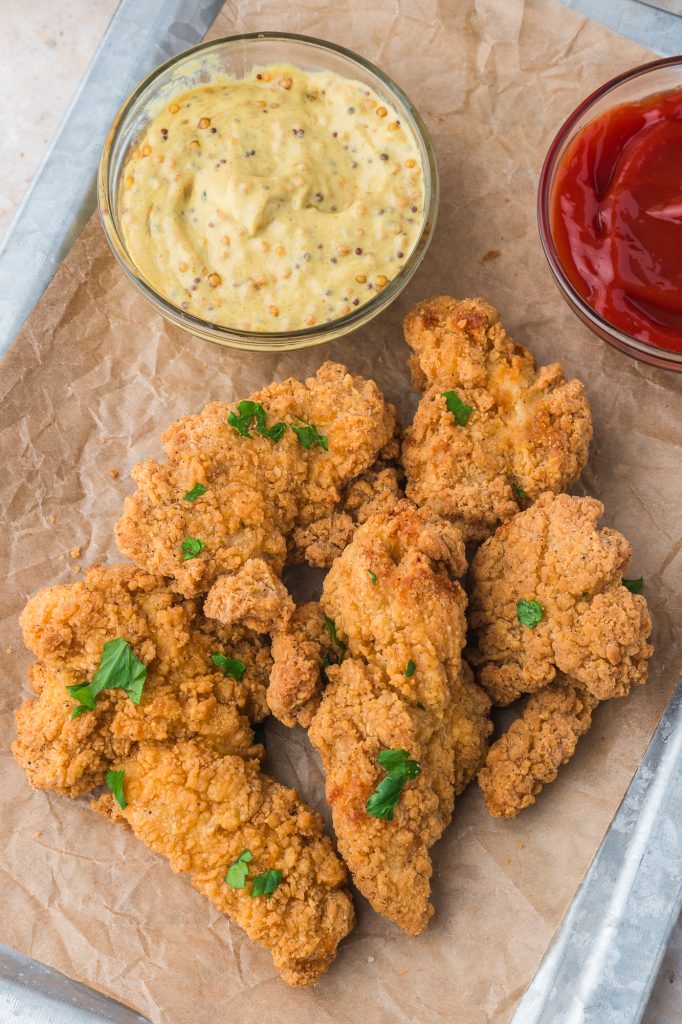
[{"x": 96, "y": 375}]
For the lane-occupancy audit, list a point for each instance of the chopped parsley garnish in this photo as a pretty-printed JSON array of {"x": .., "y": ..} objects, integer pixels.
[
  {"x": 519, "y": 492},
  {"x": 191, "y": 547},
  {"x": 309, "y": 436},
  {"x": 118, "y": 669},
  {"x": 195, "y": 493},
  {"x": 410, "y": 669},
  {"x": 231, "y": 666},
  {"x": 330, "y": 626},
  {"x": 115, "y": 784},
  {"x": 459, "y": 409},
  {"x": 373, "y": 577},
  {"x": 420, "y": 706},
  {"x": 399, "y": 768},
  {"x": 634, "y": 586},
  {"x": 266, "y": 883},
  {"x": 248, "y": 411},
  {"x": 238, "y": 872},
  {"x": 529, "y": 613}
]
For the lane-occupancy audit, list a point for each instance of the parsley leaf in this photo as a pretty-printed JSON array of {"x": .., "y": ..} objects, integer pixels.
[
  {"x": 232, "y": 667},
  {"x": 330, "y": 626},
  {"x": 420, "y": 706},
  {"x": 410, "y": 669},
  {"x": 118, "y": 669},
  {"x": 634, "y": 586},
  {"x": 191, "y": 547},
  {"x": 248, "y": 411},
  {"x": 238, "y": 871},
  {"x": 266, "y": 883},
  {"x": 459, "y": 409},
  {"x": 373, "y": 577},
  {"x": 529, "y": 613},
  {"x": 195, "y": 493},
  {"x": 309, "y": 436},
  {"x": 519, "y": 492},
  {"x": 115, "y": 784},
  {"x": 399, "y": 768}
]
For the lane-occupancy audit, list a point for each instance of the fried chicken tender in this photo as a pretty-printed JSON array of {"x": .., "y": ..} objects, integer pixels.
[
  {"x": 191, "y": 767},
  {"x": 530, "y": 753},
  {"x": 258, "y": 491},
  {"x": 298, "y": 650},
  {"x": 528, "y": 431},
  {"x": 201, "y": 810},
  {"x": 590, "y": 644},
  {"x": 185, "y": 694},
  {"x": 393, "y": 602}
]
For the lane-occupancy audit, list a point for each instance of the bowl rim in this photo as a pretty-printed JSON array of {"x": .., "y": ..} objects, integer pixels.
[
  {"x": 304, "y": 336},
  {"x": 627, "y": 343}
]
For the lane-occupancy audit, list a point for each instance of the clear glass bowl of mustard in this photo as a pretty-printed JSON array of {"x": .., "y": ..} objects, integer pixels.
[{"x": 224, "y": 208}]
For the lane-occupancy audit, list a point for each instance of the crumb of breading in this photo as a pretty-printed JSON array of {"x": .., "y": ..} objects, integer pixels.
[
  {"x": 257, "y": 491},
  {"x": 528, "y": 431},
  {"x": 414, "y": 612},
  {"x": 36, "y": 835},
  {"x": 114, "y": 474},
  {"x": 9, "y": 650},
  {"x": 52, "y": 520},
  {"x": 296, "y": 680},
  {"x": 75, "y": 552},
  {"x": 102, "y": 440},
  {"x": 530, "y": 753},
  {"x": 77, "y": 568},
  {"x": 592, "y": 628},
  {"x": 491, "y": 254}
]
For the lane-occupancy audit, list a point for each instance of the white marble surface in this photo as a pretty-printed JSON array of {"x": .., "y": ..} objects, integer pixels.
[
  {"x": 45, "y": 47},
  {"x": 44, "y": 50}
]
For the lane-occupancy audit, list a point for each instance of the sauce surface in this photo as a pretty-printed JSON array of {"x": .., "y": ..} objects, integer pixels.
[
  {"x": 616, "y": 217},
  {"x": 274, "y": 202}
]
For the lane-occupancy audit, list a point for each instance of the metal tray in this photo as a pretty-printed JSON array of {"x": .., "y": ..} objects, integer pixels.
[{"x": 604, "y": 959}]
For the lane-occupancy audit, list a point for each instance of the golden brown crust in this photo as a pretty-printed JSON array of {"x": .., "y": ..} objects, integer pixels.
[
  {"x": 253, "y": 597},
  {"x": 414, "y": 612},
  {"x": 530, "y": 753},
  {"x": 296, "y": 682},
  {"x": 592, "y": 627},
  {"x": 185, "y": 694},
  {"x": 202, "y": 810},
  {"x": 529, "y": 428},
  {"x": 258, "y": 491}
]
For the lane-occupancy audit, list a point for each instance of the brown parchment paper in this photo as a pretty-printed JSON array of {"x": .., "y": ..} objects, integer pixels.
[{"x": 96, "y": 375}]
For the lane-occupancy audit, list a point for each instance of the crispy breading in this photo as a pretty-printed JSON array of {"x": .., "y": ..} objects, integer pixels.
[
  {"x": 184, "y": 695},
  {"x": 192, "y": 778},
  {"x": 254, "y": 597},
  {"x": 528, "y": 432},
  {"x": 201, "y": 810},
  {"x": 296, "y": 680},
  {"x": 258, "y": 491},
  {"x": 393, "y": 601},
  {"x": 530, "y": 753},
  {"x": 592, "y": 627}
]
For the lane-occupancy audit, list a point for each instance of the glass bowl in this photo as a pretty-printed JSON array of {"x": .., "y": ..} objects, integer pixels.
[
  {"x": 237, "y": 55},
  {"x": 647, "y": 80}
]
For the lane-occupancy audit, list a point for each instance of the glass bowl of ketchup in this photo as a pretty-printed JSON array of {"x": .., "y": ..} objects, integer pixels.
[{"x": 610, "y": 212}]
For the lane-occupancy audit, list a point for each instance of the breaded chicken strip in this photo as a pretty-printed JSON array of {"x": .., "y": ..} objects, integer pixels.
[
  {"x": 191, "y": 768},
  {"x": 202, "y": 810},
  {"x": 263, "y": 479},
  {"x": 185, "y": 694},
  {"x": 298, "y": 653},
  {"x": 549, "y": 616},
  {"x": 530, "y": 753},
  {"x": 512, "y": 430},
  {"x": 591, "y": 627},
  {"x": 395, "y": 619}
]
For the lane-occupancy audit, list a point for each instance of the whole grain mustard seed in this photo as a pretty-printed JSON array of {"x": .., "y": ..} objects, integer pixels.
[{"x": 210, "y": 251}]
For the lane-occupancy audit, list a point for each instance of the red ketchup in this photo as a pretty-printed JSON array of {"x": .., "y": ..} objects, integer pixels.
[{"x": 616, "y": 217}]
